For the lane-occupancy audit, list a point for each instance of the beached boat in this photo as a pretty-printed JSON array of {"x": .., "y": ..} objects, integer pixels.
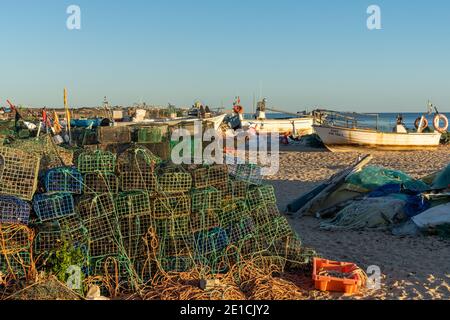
[
  {"x": 338, "y": 138},
  {"x": 216, "y": 121},
  {"x": 295, "y": 125},
  {"x": 292, "y": 126}
]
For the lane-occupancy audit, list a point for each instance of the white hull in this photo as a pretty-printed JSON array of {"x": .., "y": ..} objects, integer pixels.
[
  {"x": 217, "y": 121},
  {"x": 298, "y": 126},
  {"x": 338, "y": 138}
]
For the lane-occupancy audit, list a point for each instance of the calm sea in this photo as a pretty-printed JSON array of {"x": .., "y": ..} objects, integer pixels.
[{"x": 386, "y": 121}]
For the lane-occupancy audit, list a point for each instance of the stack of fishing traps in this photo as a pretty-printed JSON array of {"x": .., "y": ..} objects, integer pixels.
[{"x": 134, "y": 216}]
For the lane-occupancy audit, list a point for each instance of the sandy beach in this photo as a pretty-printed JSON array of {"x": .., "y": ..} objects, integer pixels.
[{"x": 412, "y": 268}]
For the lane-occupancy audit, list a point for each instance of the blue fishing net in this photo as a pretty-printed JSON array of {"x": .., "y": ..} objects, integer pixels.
[
  {"x": 373, "y": 178},
  {"x": 442, "y": 180}
]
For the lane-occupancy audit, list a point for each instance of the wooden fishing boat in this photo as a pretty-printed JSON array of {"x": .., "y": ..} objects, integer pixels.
[
  {"x": 294, "y": 126},
  {"x": 216, "y": 121},
  {"x": 337, "y": 138}
]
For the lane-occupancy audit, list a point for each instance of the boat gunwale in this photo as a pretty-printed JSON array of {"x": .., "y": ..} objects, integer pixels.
[{"x": 376, "y": 131}]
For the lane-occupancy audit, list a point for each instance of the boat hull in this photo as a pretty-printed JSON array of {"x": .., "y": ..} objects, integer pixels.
[
  {"x": 300, "y": 126},
  {"x": 341, "y": 139}
]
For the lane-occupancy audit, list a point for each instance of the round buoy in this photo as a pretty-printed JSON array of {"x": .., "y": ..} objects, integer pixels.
[
  {"x": 437, "y": 123},
  {"x": 424, "y": 123},
  {"x": 238, "y": 109}
]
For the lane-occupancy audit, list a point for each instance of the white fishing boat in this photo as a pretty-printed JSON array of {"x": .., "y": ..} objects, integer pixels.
[
  {"x": 341, "y": 138},
  {"x": 292, "y": 126},
  {"x": 295, "y": 125},
  {"x": 216, "y": 121},
  {"x": 341, "y": 133}
]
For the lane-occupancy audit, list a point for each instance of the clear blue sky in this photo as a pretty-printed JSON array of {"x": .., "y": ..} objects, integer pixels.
[{"x": 298, "y": 53}]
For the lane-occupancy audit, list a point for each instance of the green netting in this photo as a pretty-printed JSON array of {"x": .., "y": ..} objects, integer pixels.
[
  {"x": 135, "y": 181},
  {"x": 177, "y": 263},
  {"x": 206, "y": 199},
  {"x": 205, "y": 177},
  {"x": 442, "y": 180},
  {"x": 97, "y": 161},
  {"x": 239, "y": 189},
  {"x": 17, "y": 264},
  {"x": 232, "y": 212},
  {"x": 154, "y": 134},
  {"x": 261, "y": 195},
  {"x": 171, "y": 206},
  {"x": 133, "y": 204},
  {"x": 372, "y": 178},
  {"x": 204, "y": 220},
  {"x": 173, "y": 226},
  {"x": 174, "y": 182},
  {"x": 275, "y": 230},
  {"x": 137, "y": 159},
  {"x": 50, "y": 154}
]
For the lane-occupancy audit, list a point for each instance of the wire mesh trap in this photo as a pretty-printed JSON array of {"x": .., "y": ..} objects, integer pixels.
[
  {"x": 233, "y": 212},
  {"x": 152, "y": 217},
  {"x": 48, "y": 207},
  {"x": 152, "y": 134},
  {"x": 100, "y": 182},
  {"x": 64, "y": 180},
  {"x": 135, "y": 181},
  {"x": 17, "y": 265},
  {"x": 261, "y": 194},
  {"x": 97, "y": 161},
  {"x": 205, "y": 177},
  {"x": 44, "y": 148},
  {"x": 15, "y": 250},
  {"x": 211, "y": 241},
  {"x": 19, "y": 173},
  {"x": 174, "y": 182},
  {"x": 171, "y": 206},
  {"x": 204, "y": 220},
  {"x": 250, "y": 173},
  {"x": 133, "y": 204},
  {"x": 114, "y": 135},
  {"x": 137, "y": 159},
  {"x": 173, "y": 226},
  {"x": 14, "y": 210},
  {"x": 206, "y": 199}
]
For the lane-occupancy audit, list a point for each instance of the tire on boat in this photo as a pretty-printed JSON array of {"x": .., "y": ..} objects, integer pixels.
[{"x": 424, "y": 124}]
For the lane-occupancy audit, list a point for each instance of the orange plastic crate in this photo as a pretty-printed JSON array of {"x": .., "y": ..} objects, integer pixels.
[{"x": 334, "y": 284}]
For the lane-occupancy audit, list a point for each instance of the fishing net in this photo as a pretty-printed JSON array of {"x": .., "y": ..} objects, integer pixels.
[
  {"x": 442, "y": 180},
  {"x": 372, "y": 178}
]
